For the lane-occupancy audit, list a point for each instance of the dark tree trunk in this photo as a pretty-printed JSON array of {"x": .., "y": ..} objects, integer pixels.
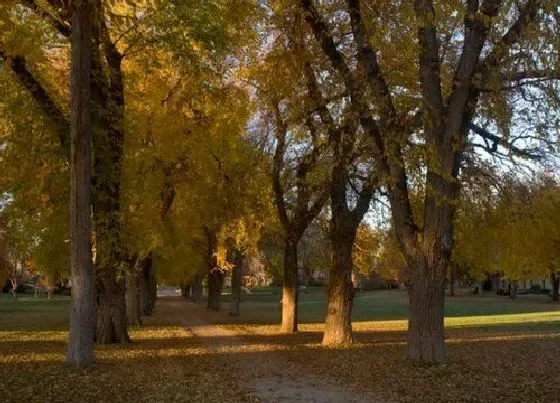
[
  {"x": 338, "y": 323},
  {"x": 80, "y": 341},
  {"x": 211, "y": 292},
  {"x": 215, "y": 292},
  {"x": 555, "y": 282},
  {"x": 186, "y": 289},
  {"x": 133, "y": 313},
  {"x": 108, "y": 142},
  {"x": 111, "y": 320},
  {"x": 215, "y": 273},
  {"x": 290, "y": 291},
  {"x": 513, "y": 289},
  {"x": 236, "y": 283},
  {"x": 147, "y": 280},
  {"x": 197, "y": 288},
  {"x": 425, "y": 321},
  {"x": 556, "y": 289},
  {"x": 452, "y": 276}
]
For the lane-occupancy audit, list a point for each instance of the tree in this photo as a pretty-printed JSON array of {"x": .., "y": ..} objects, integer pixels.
[
  {"x": 80, "y": 339},
  {"x": 455, "y": 51}
]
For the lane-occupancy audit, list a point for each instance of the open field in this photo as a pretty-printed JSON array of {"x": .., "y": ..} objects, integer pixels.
[{"x": 500, "y": 350}]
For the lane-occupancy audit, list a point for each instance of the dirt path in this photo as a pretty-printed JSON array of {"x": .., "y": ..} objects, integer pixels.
[{"x": 262, "y": 368}]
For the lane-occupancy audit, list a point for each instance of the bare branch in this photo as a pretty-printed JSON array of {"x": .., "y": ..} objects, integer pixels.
[{"x": 533, "y": 154}]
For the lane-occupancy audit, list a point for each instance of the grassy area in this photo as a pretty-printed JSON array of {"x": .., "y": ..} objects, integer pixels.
[
  {"x": 489, "y": 310},
  {"x": 164, "y": 362},
  {"x": 500, "y": 350}
]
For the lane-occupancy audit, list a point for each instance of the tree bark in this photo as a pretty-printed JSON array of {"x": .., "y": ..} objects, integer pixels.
[
  {"x": 290, "y": 291},
  {"x": 108, "y": 144},
  {"x": 81, "y": 335},
  {"x": 338, "y": 323},
  {"x": 215, "y": 273},
  {"x": 216, "y": 277},
  {"x": 452, "y": 275},
  {"x": 197, "y": 288},
  {"x": 133, "y": 315},
  {"x": 425, "y": 322},
  {"x": 513, "y": 289},
  {"x": 111, "y": 320},
  {"x": 236, "y": 283},
  {"x": 147, "y": 279},
  {"x": 555, "y": 282},
  {"x": 186, "y": 289}
]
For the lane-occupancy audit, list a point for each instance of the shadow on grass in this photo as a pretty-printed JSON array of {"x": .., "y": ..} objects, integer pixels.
[{"x": 479, "y": 370}]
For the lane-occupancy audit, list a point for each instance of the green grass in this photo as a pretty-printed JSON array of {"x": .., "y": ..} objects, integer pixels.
[
  {"x": 500, "y": 350},
  {"x": 488, "y": 311}
]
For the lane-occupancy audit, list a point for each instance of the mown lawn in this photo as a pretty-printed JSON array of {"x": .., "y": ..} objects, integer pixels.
[{"x": 499, "y": 349}]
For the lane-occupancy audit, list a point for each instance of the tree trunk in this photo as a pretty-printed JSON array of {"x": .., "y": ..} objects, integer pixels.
[
  {"x": 215, "y": 273},
  {"x": 211, "y": 292},
  {"x": 133, "y": 298},
  {"x": 186, "y": 289},
  {"x": 236, "y": 283},
  {"x": 197, "y": 288},
  {"x": 452, "y": 276},
  {"x": 111, "y": 320},
  {"x": 513, "y": 289},
  {"x": 215, "y": 292},
  {"x": 290, "y": 291},
  {"x": 338, "y": 323},
  {"x": 146, "y": 283},
  {"x": 555, "y": 282},
  {"x": 13, "y": 291},
  {"x": 108, "y": 144},
  {"x": 80, "y": 338},
  {"x": 426, "y": 312}
]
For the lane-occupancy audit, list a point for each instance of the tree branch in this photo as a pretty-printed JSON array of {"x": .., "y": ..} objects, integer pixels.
[
  {"x": 368, "y": 61},
  {"x": 527, "y": 15},
  {"x": 533, "y": 154},
  {"x": 62, "y": 26},
  {"x": 49, "y": 107}
]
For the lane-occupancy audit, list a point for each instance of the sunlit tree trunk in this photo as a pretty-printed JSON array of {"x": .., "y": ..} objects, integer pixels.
[
  {"x": 338, "y": 323},
  {"x": 81, "y": 335}
]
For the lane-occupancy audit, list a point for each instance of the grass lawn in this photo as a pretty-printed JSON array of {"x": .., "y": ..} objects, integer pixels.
[
  {"x": 500, "y": 350},
  {"x": 163, "y": 363}
]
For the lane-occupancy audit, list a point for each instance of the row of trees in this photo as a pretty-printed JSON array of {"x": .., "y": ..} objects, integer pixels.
[{"x": 198, "y": 120}]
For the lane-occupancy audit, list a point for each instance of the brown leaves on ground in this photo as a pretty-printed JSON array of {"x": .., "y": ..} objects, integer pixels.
[
  {"x": 508, "y": 367},
  {"x": 164, "y": 363}
]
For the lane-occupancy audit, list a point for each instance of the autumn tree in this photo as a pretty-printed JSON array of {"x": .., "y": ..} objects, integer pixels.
[
  {"x": 298, "y": 170},
  {"x": 461, "y": 59}
]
